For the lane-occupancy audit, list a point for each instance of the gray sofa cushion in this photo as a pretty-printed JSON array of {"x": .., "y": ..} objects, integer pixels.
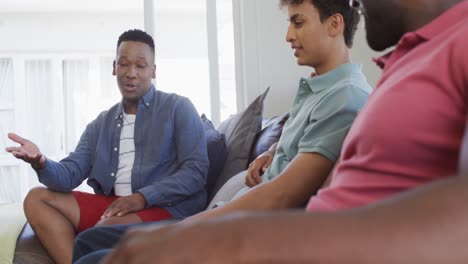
[
  {"x": 229, "y": 189},
  {"x": 217, "y": 153},
  {"x": 240, "y": 131}
]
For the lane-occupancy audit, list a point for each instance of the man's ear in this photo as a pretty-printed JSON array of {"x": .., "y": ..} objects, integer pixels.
[
  {"x": 113, "y": 69},
  {"x": 153, "y": 75},
  {"x": 335, "y": 25}
]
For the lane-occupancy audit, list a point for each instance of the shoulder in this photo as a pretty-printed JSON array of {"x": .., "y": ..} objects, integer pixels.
[
  {"x": 349, "y": 93},
  {"x": 457, "y": 43},
  {"x": 170, "y": 99},
  {"x": 179, "y": 106}
]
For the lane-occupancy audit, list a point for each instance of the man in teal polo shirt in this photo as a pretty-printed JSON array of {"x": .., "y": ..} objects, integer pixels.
[{"x": 321, "y": 35}]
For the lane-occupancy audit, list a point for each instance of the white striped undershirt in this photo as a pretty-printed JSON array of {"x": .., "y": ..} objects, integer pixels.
[{"x": 123, "y": 179}]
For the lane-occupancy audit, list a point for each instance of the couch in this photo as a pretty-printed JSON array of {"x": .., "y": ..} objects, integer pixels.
[{"x": 231, "y": 147}]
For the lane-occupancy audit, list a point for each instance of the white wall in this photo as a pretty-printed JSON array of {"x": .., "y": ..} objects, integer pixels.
[
  {"x": 264, "y": 58},
  {"x": 70, "y": 32}
]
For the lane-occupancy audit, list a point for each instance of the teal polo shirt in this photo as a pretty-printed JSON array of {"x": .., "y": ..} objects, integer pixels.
[{"x": 322, "y": 113}]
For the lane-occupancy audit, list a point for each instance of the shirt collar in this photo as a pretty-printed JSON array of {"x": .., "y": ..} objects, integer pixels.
[
  {"x": 446, "y": 20},
  {"x": 320, "y": 82},
  {"x": 145, "y": 101}
]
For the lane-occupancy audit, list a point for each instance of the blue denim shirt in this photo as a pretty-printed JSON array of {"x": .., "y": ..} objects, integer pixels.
[{"x": 171, "y": 161}]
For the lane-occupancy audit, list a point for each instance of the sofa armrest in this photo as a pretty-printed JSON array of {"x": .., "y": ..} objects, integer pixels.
[{"x": 29, "y": 249}]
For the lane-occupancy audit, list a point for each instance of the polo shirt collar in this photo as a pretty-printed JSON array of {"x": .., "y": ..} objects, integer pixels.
[
  {"x": 145, "y": 101},
  {"x": 320, "y": 82}
]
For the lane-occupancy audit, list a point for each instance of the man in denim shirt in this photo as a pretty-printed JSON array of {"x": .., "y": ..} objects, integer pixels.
[{"x": 145, "y": 158}]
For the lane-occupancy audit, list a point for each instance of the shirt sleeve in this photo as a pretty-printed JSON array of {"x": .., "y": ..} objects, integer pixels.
[
  {"x": 70, "y": 172},
  {"x": 190, "y": 178},
  {"x": 330, "y": 121}
]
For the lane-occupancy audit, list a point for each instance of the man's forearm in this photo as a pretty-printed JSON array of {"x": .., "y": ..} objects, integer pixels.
[{"x": 429, "y": 225}]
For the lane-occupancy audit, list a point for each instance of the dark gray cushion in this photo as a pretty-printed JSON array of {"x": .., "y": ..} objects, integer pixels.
[
  {"x": 239, "y": 131},
  {"x": 217, "y": 153}
]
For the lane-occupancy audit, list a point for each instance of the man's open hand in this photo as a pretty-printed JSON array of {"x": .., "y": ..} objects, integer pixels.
[{"x": 27, "y": 151}]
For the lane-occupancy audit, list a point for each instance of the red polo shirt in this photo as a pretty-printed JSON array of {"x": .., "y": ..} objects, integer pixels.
[{"x": 410, "y": 131}]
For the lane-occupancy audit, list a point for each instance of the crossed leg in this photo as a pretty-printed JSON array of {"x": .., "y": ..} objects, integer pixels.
[{"x": 55, "y": 216}]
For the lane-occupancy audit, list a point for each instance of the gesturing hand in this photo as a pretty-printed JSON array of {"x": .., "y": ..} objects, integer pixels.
[
  {"x": 257, "y": 168},
  {"x": 125, "y": 205},
  {"x": 28, "y": 151}
]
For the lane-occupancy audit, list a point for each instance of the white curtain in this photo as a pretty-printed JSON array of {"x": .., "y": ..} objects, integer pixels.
[{"x": 10, "y": 182}]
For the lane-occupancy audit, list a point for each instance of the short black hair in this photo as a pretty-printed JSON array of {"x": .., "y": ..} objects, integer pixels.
[
  {"x": 327, "y": 8},
  {"x": 136, "y": 35}
]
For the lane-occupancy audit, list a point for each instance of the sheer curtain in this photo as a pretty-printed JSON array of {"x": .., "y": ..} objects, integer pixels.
[
  {"x": 89, "y": 88},
  {"x": 52, "y": 88},
  {"x": 10, "y": 183}
]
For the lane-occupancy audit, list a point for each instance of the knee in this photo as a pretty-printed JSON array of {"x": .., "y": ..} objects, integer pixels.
[{"x": 35, "y": 195}]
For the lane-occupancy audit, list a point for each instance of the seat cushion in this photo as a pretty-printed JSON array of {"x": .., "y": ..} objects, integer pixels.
[{"x": 29, "y": 249}]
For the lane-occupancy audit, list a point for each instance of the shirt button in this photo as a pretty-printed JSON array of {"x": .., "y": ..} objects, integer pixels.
[
  {"x": 147, "y": 104},
  {"x": 115, "y": 149},
  {"x": 112, "y": 174},
  {"x": 118, "y": 125}
]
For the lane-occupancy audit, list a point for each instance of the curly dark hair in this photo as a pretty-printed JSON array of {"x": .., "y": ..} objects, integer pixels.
[
  {"x": 327, "y": 8},
  {"x": 136, "y": 35}
]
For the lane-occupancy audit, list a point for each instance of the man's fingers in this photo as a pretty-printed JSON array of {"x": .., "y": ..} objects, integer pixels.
[
  {"x": 110, "y": 212},
  {"x": 267, "y": 164},
  {"x": 249, "y": 181},
  {"x": 12, "y": 149},
  {"x": 258, "y": 180},
  {"x": 17, "y": 139},
  {"x": 123, "y": 212},
  {"x": 18, "y": 155}
]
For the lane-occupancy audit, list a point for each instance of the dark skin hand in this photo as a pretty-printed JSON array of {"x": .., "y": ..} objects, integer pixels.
[
  {"x": 125, "y": 205},
  {"x": 27, "y": 151},
  {"x": 30, "y": 153},
  {"x": 259, "y": 166}
]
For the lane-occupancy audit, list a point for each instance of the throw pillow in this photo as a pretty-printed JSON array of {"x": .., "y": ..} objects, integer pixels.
[
  {"x": 269, "y": 135},
  {"x": 240, "y": 131},
  {"x": 217, "y": 153}
]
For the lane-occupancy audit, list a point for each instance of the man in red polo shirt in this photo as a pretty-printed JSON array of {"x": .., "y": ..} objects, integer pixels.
[
  {"x": 410, "y": 130},
  {"x": 408, "y": 134}
]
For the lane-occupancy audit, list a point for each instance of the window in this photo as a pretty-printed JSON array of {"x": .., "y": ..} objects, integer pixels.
[
  {"x": 182, "y": 36},
  {"x": 55, "y": 76}
]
